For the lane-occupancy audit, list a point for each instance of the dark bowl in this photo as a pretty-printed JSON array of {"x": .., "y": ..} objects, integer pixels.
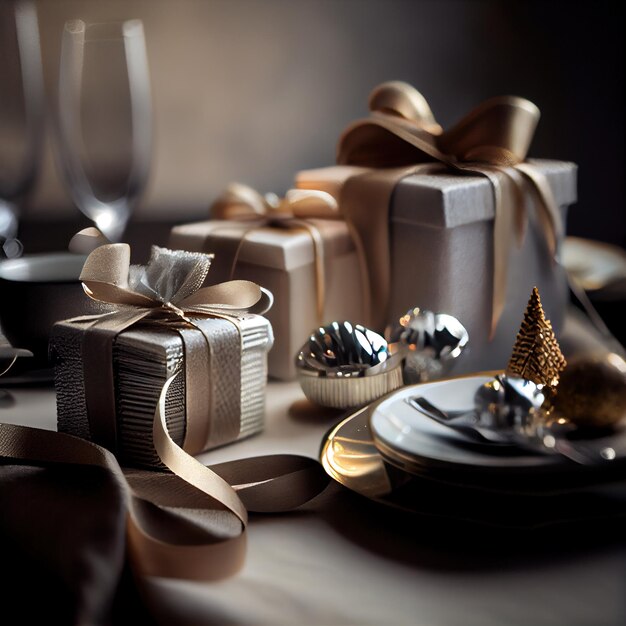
[{"x": 36, "y": 291}]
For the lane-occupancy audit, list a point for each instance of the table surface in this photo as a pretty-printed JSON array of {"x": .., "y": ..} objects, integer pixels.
[{"x": 345, "y": 560}]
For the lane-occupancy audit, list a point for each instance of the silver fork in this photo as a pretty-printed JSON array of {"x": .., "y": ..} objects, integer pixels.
[
  {"x": 546, "y": 438},
  {"x": 465, "y": 422}
]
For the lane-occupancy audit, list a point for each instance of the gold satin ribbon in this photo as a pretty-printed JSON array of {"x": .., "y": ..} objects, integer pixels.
[
  {"x": 168, "y": 289},
  {"x": 370, "y": 232},
  {"x": 244, "y": 204},
  {"x": 401, "y": 132},
  {"x": 175, "y": 524}
]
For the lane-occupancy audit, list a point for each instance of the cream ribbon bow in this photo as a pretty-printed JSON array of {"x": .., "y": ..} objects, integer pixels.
[
  {"x": 170, "y": 284},
  {"x": 241, "y": 202}
]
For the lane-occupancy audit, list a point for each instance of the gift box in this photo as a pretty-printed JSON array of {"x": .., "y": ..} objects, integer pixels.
[
  {"x": 110, "y": 370},
  {"x": 287, "y": 259},
  {"x": 442, "y": 257},
  {"x": 455, "y": 221}
]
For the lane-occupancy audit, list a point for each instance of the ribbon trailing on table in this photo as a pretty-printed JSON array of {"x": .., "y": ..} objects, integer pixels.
[
  {"x": 244, "y": 204},
  {"x": 189, "y": 523},
  {"x": 401, "y": 138}
]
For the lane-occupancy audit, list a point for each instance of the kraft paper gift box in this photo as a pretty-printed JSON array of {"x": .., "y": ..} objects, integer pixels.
[
  {"x": 442, "y": 256},
  {"x": 283, "y": 261},
  {"x": 216, "y": 397}
]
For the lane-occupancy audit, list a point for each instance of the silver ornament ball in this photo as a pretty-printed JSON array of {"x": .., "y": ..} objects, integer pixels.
[
  {"x": 431, "y": 343},
  {"x": 510, "y": 402}
]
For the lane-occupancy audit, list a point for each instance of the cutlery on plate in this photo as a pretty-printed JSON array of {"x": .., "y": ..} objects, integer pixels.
[{"x": 546, "y": 436}]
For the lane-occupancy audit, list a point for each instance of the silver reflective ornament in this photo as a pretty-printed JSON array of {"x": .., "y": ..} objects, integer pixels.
[
  {"x": 519, "y": 410},
  {"x": 431, "y": 342},
  {"x": 510, "y": 402},
  {"x": 345, "y": 365}
]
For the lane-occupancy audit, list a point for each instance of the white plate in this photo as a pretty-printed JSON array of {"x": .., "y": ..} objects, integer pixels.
[
  {"x": 408, "y": 435},
  {"x": 53, "y": 267}
]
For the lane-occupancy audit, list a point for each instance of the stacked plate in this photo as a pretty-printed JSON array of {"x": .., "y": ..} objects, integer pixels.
[{"x": 395, "y": 453}]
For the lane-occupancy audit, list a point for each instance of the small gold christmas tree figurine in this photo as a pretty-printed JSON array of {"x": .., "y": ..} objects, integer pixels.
[{"x": 536, "y": 354}]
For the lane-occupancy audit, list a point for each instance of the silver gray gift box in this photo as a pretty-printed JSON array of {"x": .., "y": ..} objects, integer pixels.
[
  {"x": 148, "y": 354},
  {"x": 441, "y": 246}
]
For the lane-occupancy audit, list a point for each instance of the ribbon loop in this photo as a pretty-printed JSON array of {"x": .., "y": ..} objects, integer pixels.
[
  {"x": 398, "y": 98},
  {"x": 234, "y": 296},
  {"x": 108, "y": 264},
  {"x": 239, "y": 201},
  {"x": 304, "y": 203},
  {"x": 498, "y": 131}
]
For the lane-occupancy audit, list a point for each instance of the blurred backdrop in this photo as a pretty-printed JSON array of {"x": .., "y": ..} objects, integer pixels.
[{"x": 253, "y": 90}]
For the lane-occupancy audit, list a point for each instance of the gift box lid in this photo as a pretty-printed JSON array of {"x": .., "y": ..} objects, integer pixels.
[
  {"x": 444, "y": 200},
  {"x": 279, "y": 247}
]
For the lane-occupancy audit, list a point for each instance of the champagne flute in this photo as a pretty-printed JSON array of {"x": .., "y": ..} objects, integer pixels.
[
  {"x": 104, "y": 120},
  {"x": 21, "y": 115}
]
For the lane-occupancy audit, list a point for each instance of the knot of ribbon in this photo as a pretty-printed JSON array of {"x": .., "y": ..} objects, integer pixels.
[
  {"x": 401, "y": 137},
  {"x": 170, "y": 285},
  {"x": 294, "y": 211},
  {"x": 241, "y": 202}
]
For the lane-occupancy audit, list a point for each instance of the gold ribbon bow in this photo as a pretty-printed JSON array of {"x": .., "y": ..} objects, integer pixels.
[
  {"x": 402, "y": 136},
  {"x": 242, "y": 203},
  {"x": 171, "y": 284}
]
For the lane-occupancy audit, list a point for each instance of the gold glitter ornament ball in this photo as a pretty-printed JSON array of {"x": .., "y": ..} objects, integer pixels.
[{"x": 592, "y": 391}]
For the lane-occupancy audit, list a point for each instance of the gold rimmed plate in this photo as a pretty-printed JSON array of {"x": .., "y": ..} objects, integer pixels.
[{"x": 450, "y": 477}]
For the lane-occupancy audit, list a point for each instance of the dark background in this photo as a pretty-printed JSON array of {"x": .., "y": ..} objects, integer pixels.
[{"x": 254, "y": 90}]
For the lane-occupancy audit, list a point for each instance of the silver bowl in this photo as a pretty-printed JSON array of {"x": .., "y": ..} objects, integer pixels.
[{"x": 344, "y": 365}]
